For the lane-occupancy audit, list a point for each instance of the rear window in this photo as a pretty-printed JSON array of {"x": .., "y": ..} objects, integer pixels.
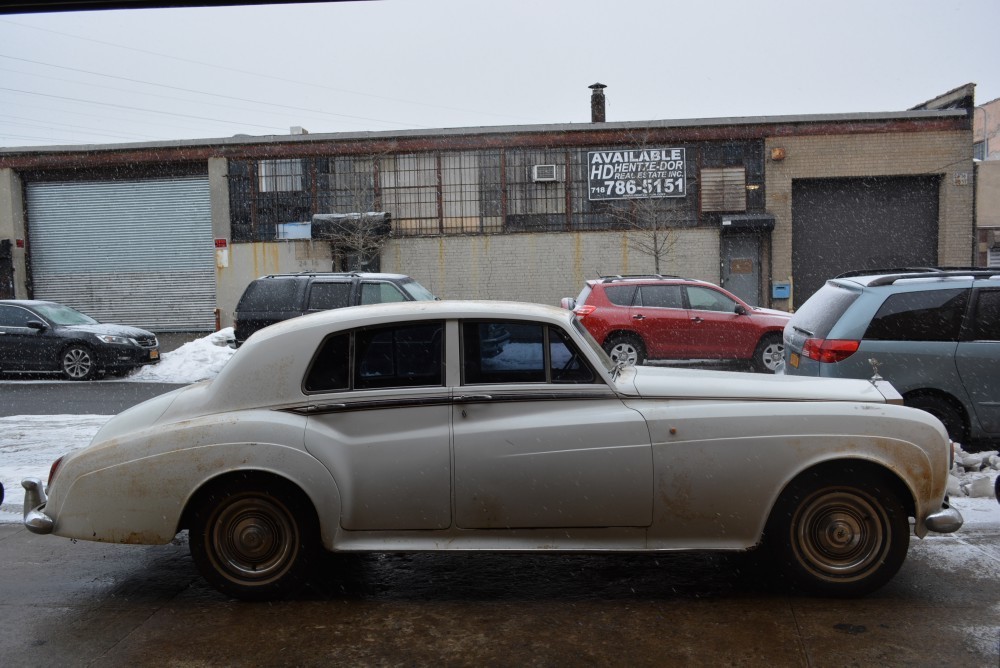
[
  {"x": 820, "y": 313},
  {"x": 269, "y": 295},
  {"x": 620, "y": 295},
  {"x": 930, "y": 315}
]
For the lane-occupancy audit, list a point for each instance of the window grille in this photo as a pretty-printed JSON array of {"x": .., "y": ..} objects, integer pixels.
[{"x": 279, "y": 176}]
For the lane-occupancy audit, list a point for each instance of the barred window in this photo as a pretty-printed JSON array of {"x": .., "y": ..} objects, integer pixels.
[
  {"x": 279, "y": 176},
  {"x": 724, "y": 189}
]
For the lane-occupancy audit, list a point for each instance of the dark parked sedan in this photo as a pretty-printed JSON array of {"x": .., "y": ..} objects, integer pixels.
[{"x": 41, "y": 336}]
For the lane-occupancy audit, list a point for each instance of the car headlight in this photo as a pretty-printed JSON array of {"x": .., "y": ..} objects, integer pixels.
[{"x": 121, "y": 340}]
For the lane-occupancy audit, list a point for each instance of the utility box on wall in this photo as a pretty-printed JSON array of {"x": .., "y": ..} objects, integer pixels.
[{"x": 781, "y": 290}]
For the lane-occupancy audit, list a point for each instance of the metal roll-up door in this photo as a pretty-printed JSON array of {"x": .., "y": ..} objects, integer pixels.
[
  {"x": 132, "y": 252},
  {"x": 841, "y": 225}
]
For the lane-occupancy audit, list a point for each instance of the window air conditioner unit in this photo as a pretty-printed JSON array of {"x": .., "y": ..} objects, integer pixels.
[{"x": 543, "y": 173}]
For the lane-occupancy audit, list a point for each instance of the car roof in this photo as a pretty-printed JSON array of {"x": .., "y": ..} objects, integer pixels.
[
  {"x": 875, "y": 278},
  {"x": 645, "y": 278},
  {"x": 389, "y": 312},
  {"x": 339, "y": 274},
  {"x": 25, "y": 302}
]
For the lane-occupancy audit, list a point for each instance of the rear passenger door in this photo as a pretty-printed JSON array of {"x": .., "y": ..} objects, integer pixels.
[
  {"x": 978, "y": 358},
  {"x": 380, "y": 421},
  {"x": 659, "y": 316},
  {"x": 326, "y": 295}
]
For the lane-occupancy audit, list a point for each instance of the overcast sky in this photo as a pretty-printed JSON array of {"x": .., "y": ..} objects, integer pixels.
[{"x": 161, "y": 74}]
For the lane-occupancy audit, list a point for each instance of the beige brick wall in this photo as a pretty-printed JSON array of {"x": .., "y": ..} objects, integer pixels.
[
  {"x": 542, "y": 267},
  {"x": 948, "y": 154}
]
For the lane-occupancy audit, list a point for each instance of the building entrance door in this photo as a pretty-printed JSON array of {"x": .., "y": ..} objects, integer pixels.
[{"x": 741, "y": 266}]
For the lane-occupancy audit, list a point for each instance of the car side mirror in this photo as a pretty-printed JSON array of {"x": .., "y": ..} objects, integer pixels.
[
  {"x": 740, "y": 309},
  {"x": 37, "y": 324},
  {"x": 568, "y": 303}
]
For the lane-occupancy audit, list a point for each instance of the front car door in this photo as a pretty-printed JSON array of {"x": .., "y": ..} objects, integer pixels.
[
  {"x": 540, "y": 440},
  {"x": 717, "y": 330},
  {"x": 24, "y": 348}
]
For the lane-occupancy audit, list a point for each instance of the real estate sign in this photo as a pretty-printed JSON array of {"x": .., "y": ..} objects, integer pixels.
[{"x": 656, "y": 172}]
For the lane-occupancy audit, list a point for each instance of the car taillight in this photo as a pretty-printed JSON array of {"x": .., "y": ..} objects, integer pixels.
[
  {"x": 53, "y": 469},
  {"x": 584, "y": 310},
  {"x": 829, "y": 350}
]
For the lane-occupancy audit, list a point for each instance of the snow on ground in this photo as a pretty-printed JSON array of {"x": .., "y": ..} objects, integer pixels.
[{"x": 30, "y": 443}]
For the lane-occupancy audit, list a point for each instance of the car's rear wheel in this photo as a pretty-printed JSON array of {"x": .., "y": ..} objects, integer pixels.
[
  {"x": 841, "y": 535},
  {"x": 77, "y": 362},
  {"x": 943, "y": 409},
  {"x": 626, "y": 348},
  {"x": 254, "y": 538},
  {"x": 769, "y": 355}
]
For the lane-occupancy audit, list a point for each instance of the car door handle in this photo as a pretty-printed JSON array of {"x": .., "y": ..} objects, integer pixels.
[
  {"x": 638, "y": 316},
  {"x": 697, "y": 319},
  {"x": 474, "y": 397}
]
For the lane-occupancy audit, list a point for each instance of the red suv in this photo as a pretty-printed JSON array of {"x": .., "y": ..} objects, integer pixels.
[{"x": 637, "y": 318}]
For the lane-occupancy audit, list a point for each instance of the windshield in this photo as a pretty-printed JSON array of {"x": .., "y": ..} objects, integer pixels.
[
  {"x": 63, "y": 315},
  {"x": 417, "y": 291}
]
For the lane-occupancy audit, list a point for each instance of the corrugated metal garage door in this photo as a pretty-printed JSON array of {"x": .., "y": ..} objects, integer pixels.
[
  {"x": 132, "y": 252},
  {"x": 841, "y": 225}
]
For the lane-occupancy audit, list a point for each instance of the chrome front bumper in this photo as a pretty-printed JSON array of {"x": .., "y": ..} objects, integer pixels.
[
  {"x": 35, "y": 520},
  {"x": 946, "y": 520}
]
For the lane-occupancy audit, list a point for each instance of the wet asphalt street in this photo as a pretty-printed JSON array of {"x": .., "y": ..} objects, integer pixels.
[
  {"x": 85, "y": 604},
  {"x": 66, "y": 603}
]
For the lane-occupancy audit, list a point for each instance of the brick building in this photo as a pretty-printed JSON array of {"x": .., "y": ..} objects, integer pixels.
[{"x": 162, "y": 234}]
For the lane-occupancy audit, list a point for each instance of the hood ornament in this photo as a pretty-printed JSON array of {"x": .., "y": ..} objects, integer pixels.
[{"x": 875, "y": 376}]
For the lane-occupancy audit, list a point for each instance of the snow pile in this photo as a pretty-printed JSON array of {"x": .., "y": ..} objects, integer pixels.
[
  {"x": 974, "y": 474},
  {"x": 195, "y": 360}
]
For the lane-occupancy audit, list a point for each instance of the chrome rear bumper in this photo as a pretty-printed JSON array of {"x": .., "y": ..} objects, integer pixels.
[{"x": 35, "y": 520}]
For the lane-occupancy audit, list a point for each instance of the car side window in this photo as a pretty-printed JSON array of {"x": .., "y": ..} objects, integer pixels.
[
  {"x": 619, "y": 295},
  {"x": 15, "y": 316},
  {"x": 407, "y": 355},
  {"x": 706, "y": 299},
  {"x": 398, "y": 356},
  {"x": 660, "y": 296},
  {"x": 568, "y": 365},
  {"x": 324, "y": 295},
  {"x": 331, "y": 368},
  {"x": 380, "y": 292},
  {"x": 986, "y": 320},
  {"x": 516, "y": 352},
  {"x": 928, "y": 315}
]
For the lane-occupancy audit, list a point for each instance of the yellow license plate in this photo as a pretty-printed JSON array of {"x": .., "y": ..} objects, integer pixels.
[
  {"x": 793, "y": 359},
  {"x": 154, "y": 354}
]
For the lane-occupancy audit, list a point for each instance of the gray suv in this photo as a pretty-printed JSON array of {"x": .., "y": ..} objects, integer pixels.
[
  {"x": 934, "y": 333},
  {"x": 277, "y": 297}
]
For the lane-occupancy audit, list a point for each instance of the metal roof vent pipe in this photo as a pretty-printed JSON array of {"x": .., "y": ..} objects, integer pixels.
[{"x": 597, "y": 103}]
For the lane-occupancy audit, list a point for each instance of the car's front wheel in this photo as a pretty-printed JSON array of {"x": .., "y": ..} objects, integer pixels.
[
  {"x": 254, "y": 538},
  {"x": 769, "y": 355},
  {"x": 839, "y": 535},
  {"x": 77, "y": 362},
  {"x": 626, "y": 348}
]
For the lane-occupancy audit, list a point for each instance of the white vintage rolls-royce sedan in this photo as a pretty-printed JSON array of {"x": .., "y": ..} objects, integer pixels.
[{"x": 500, "y": 426}]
